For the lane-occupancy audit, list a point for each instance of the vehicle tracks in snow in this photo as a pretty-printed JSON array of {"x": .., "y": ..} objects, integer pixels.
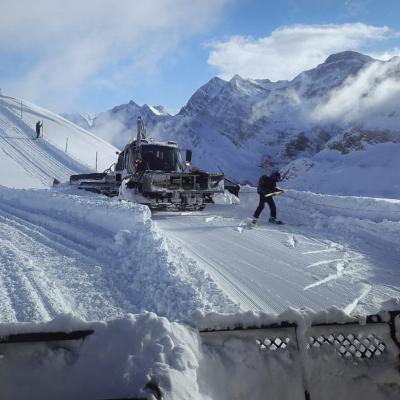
[
  {"x": 269, "y": 269},
  {"x": 44, "y": 273}
]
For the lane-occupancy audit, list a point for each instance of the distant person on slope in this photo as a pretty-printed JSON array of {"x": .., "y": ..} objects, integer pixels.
[
  {"x": 267, "y": 186},
  {"x": 38, "y": 128}
]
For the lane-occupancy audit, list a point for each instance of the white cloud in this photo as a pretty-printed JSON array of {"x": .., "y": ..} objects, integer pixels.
[
  {"x": 385, "y": 55},
  {"x": 370, "y": 98},
  {"x": 71, "y": 42},
  {"x": 290, "y": 50}
]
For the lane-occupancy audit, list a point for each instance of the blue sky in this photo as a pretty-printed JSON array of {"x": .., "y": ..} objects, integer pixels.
[{"x": 90, "y": 57}]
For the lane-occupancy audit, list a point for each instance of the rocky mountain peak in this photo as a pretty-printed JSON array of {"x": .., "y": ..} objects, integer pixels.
[
  {"x": 348, "y": 56},
  {"x": 330, "y": 74},
  {"x": 125, "y": 107},
  {"x": 203, "y": 96}
]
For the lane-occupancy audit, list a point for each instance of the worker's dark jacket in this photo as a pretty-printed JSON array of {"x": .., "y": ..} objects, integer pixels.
[{"x": 266, "y": 185}]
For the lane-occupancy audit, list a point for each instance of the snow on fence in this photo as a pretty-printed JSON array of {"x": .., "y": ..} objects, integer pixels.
[
  {"x": 294, "y": 360},
  {"x": 149, "y": 357}
]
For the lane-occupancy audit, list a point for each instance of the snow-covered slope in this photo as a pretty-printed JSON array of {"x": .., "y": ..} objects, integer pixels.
[
  {"x": 63, "y": 150},
  {"x": 372, "y": 171}
]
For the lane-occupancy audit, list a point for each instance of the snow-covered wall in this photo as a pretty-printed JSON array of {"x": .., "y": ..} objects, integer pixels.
[{"x": 280, "y": 357}]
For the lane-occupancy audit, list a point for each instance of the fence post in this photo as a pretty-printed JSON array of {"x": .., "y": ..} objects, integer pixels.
[
  {"x": 21, "y": 109},
  {"x": 96, "y": 161},
  {"x": 66, "y": 145}
]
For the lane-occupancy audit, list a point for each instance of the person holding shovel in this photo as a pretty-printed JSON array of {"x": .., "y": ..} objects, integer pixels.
[{"x": 267, "y": 190}]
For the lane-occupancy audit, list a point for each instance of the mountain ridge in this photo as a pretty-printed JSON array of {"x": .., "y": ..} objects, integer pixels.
[{"x": 241, "y": 125}]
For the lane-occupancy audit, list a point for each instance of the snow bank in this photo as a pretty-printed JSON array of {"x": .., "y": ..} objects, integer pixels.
[
  {"x": 373, "y": 209},
  {"x": 370, "y": 172},
  {"x": 118, "y": 360},
  {"x": 285, "y": 356},
  {"x": 355, "y": 221},
  {"x": 225, "y": 198},
  {"x": 140, "y": 354},
  {"x": 364, "y": 223},
  {"x": 139, "y": 267}
]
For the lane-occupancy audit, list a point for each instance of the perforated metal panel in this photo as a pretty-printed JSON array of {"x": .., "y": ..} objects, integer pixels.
[
  {"x": 350, "y": 345},
  {"x": 253, "y": 363},
  {"x": 272, "y": 343},
  {"x": 344, "y": 356}
]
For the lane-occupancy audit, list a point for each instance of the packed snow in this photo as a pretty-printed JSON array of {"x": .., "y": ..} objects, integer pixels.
[{"x": 333, "y": 251}]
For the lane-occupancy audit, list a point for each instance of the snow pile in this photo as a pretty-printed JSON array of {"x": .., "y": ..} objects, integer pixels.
[
  {"x": 123, "y": 358},
  {"x": 226, "y": 198},
  {"x": 143, "y": 355},
  {"x": 374, "y": 209},
  {"x": 133, "y": 262}
]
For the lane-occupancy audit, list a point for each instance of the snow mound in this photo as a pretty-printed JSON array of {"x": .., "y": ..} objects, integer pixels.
[
  {"x": 144, "y": 354},
  {"x": 124, "y": 358},
  {"x": 136, "y": 265},
  {"x": 225, "y": 198}
]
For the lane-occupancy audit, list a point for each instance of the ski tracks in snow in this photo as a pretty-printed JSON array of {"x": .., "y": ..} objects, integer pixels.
[
  {"x": 45, "y": 272},
  {"x": 28, "y": 152}
]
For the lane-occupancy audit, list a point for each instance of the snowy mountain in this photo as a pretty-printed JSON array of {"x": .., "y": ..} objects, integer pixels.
[
  {"x": 63, "y": 149},
  {"x": 118, "y": 125},
  {"x": 85, "y": 121},
  {"x": 242, "y": 125}
]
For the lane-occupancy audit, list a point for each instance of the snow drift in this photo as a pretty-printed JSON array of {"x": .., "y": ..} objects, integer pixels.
[{"x": 145, "y": 355}]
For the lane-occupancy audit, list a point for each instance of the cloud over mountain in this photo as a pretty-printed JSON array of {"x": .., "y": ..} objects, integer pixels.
[{"x": 289, "y": 50}]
